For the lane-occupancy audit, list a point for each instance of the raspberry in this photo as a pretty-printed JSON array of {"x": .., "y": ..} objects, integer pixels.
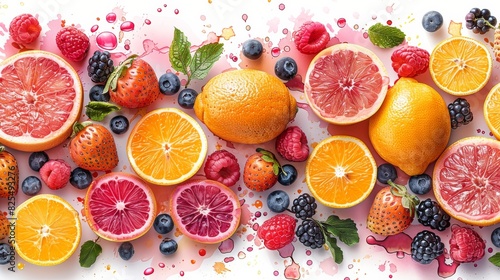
[
  {"x": 430, "y": 214},
  {"x": 277, "y": 232},
  {"x": 304, "y": 206},
  {"x": 466, "y": 245},
  {"x": 24, "y": 29},
  {"x": 291, "y": 144},
  {"x": 410, "y": 61},
  {"x": 222, "y": 166},
  {"x": 310, "y": 234},
  {"x": 311, "y": 38},
  {"x": 426, "y": 246},
  {"x": 72, "y": 43},
  {"x": 55, "y": 173},
  {"x": 100, "y": 67}
]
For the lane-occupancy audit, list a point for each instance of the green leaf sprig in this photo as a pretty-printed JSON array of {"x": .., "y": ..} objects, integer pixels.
[
  {"x": 89, "y": 252},
  {"x": 98, "y": 110},
  {"x": 343, "y": 229},
  {"x": 495, "y": 259},
  {"x": 385, "y": 36},
  {"x": 195, "y": 66}
]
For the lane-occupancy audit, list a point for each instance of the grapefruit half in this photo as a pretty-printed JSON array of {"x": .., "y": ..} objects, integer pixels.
[
  {"x": 119, "y": 207},
  {"x": 466, "y": 180},
  {"x": 205, "y": 211},
  {"x": 41, "y": 96},
  {"x": 345, "y": 84}
]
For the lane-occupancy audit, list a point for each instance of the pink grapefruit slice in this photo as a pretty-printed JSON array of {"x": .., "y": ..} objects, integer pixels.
[
  {"x": 205, "y": 211},
  {"x": 41, "y": 96},
  {"x": 345, "y": 84},
  {"x": 119, "y": 207},
  {"x": 466, "y": 180}
]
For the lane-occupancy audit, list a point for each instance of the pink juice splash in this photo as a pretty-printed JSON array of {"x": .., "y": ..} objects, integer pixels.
[
  {"x": 107, "y": 40},
  {"x": 446, "y": 270},
  {"x": 111, "y": 17},
  {"x": 94, "y": 28},
  {"x": 400, "y": 244},
  {"x": 127, "y": 26},
  {"x": 149, "y": 271}
]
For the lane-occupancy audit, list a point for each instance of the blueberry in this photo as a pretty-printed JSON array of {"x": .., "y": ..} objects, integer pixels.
[
  {"x": 163, "y": 223},
  {"x": 96, "y": 94},
  {"x": 80, "y": 178},
  {"x": 432, "y": 21},
  {"x": 37, "y": 160},
  {"x": 5, "y": 253},
  {"x": 187, "y": 97},
  {"x": 278, "y": 201},
  {"x": 126, "y": 250},
  {"x": 169, "y": 83},
  {"x": 168, "y": 246},
  {"x": 420, "y": 184},
  {"x": 287, "y": 175},
  {"x": 119, "y": 124},
  {"x": 285, "y": 68},
  {"x": 252, "y": 49},
  {"x": 386, "y": 172},
  {"x": 495, "y": 237},
  {"x": 31, "y": 185}
]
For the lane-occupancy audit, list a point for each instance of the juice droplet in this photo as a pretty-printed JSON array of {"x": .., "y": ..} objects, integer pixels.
[
  {"x": 276, "y": 273},
  {"x": 275, "y": 51},
  {"x": 176, "y": 11},
  {"x": 111, "y": 17},
  {"x": 193, "y": 261},
  {"x": 106, "y": 40},
  {"x": 181, "y": 273},
  {"x": 94, "y": 28},
  {"x": 446, "y": 270},
  {"x": 341, "y": 22},
  {"x": 228, "y": 259},
  {"x": 149, "y": 271},
  {"x": 281, "y": 7},
  {"x": 241, "y": 255},
  {"x": 161, "y": 265},
  {"x": 389, "y": 22},
  {"x": 309, "y": 262},
  {"x": 127, "y": 26},
  {"x": 244, "y": 17},
  {"x": 159, "y": 10},
  {"x": 292, "y": 271},
  {"x": 399, "y": 244},
  {"x": 20, "y": 266},
  {"x": 164, "y": 5},
  {"x": 147, "y": 21},
  {"x": 202, "y": 252},
  {"x": 258, "y": 204}
]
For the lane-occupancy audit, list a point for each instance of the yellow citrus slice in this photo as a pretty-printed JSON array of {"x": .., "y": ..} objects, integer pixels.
[
  {"x": 491, "y": 110},
  {"x": 341, "y": 171},
  {"x": 166, "y": 147},
  {"x": 48, "y": 230},
  {"x": 460, "y": 65}
]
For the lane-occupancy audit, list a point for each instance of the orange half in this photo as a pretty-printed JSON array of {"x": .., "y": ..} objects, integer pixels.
[{"x": 491, "y": 110}]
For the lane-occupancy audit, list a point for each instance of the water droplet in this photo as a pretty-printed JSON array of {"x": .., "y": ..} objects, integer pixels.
[
  {"x": 176, "y": 11},
  {"x": 94, "y": 28},
  {"x": 341, "y": 22},
  {"x": 149, "y": 271},
  {"x": 244, "y": 17},
  {"x": 111, "y": 17},
  {"x": 127, "y": 26},
  {"x": 147, "y": 21},
  {"x": 159, "y": 10},
  {"x": 106, "y": 40},
  {"x": 275, "y": 51},
  {"x": 161, "y": 265},
  {"x": 281, "y": 7}
]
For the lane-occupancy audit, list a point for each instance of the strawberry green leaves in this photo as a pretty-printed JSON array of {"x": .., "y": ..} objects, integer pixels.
[
  {"x": 495, "y": 259},
  {"x": 385, "y": 36},
  {"x": 98, "y": 110},
  {"x": 195, "y": 66},
  {"x": 269, "y": 157},
  {"x": 345, "y": 230}
]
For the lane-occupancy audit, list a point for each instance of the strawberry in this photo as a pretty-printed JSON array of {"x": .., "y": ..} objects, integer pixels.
[
  {"x": 4, "y": 226},
  {"x": 133, "y": 84},
  {"x": 392, "y": 210},
  {"x": 278, "y": 231},
  {"x": 93, "y": 147},
  {"x": 261, "y": 171},
  {"x": 9, "y": 174}
]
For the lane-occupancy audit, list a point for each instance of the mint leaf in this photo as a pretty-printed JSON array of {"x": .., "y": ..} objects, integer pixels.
[
  {"x": 89, "y": 252},
  {"x": 337, "y": 253},
  {"x": 345, "y": 230},
  {"x": 204, "y": 58},
  {"x": 495, "y": 259},
  {"x": 385, "y": 36},
  {"x": 179, "y": 53},
  {"x": 98, "y": 110}
]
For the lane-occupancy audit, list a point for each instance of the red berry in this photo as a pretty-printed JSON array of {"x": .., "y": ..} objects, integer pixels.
[
  {"x": 311, "y": 38},
  {"x": 466, "y": 245},
  {"x": 222, "y": 166},
  {"x": 410, "y": 61},
  {"x": 24, "y": 29},
  {"x": 55, "y": 173},
  {"x": 73, "y": 43},
  {"x": 291, "y": 144},
  {"x": 278, "y": 231}
]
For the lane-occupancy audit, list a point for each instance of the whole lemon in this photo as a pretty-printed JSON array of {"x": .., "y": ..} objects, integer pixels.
[
  {"x": 245, "y": 106},
  {"x": 412, "y": 127}
]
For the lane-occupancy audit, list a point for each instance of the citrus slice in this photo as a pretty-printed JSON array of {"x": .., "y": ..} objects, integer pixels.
[
  {"x": 345, "y": 84},
  {"x": 491, "y": 110},
  {"x": 166, "y": 147},
  {"x": 119, "y": 207},
  {"x": 47, "y": 231},
  {"x": 341, "y": 171},
  {"x": 460, "y": 65},
  {"x": 41, "y": 96},
  {"x": 466, "y": 180},
  {"x": 205, "y": 211}
]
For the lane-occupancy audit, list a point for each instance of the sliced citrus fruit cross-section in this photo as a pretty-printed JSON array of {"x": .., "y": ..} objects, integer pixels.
[
  {"x": 460, "y": 65},
  {"x": 205, "y": 211},
  {"x": 119, "y": 206},
  {"x": 345, "y": 84},
  {"x": 341, "y": 171},
  {"x": 48, "y": 230},
  {"x": 166, "y": 147},
  {"x": 491, "y": 110},
  {"x": 466, "y": 180},
  {"x": 41, "y": 96}
]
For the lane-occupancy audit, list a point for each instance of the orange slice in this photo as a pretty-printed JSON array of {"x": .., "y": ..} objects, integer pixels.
[
  {"x": 166, "y": 147},
  {"x": 491, "y": 110},
  {"x": 460, "y": 65},
  {"x": 341, "y": 171},
  {"x": 48, "y": 230}
]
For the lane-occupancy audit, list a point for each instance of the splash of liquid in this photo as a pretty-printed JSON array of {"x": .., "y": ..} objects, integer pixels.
[
  {"x": 341, "y": 22},
  {"x": 399, "y": 244},
  {"x": 149, "y": 271},
  {"x": 94, "y": 28},
  {"x": 107, "y": 40},
  {"x": 446, "y": 270},
  {"x": 226, "y": 246},
  {"x": 111, "y": 17},
  {"x": 292, "y": 271}
]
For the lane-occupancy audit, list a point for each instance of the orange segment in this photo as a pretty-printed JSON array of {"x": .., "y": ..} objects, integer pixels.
[
  {"x": 460, "y": 65},
  {"x": 166, "y": 147},
  {"x": 48, "y": 230},
  {"x": 491, "y": 110},
  {"x": 341, "y": 171}
]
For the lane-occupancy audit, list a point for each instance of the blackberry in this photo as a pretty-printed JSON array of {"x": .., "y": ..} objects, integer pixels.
[
  {"x": 426, "y": 246},
  {"x": 310, "y": 234},
  {"x": 480, "y": 20},
  {"x": 100, "y": 67},
  {"x": 431, "y": 215},
  {"x": 304, "y": 206},
  {"x": 460, "y": 112}
]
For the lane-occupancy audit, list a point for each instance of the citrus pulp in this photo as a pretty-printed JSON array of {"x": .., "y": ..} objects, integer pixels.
[{"x": 491, "y": 110}]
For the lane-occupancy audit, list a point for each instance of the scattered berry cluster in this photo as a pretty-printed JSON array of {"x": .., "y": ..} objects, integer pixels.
[
  {"x": 480, "y": 20},
  {"x": 460, "y": 113}
]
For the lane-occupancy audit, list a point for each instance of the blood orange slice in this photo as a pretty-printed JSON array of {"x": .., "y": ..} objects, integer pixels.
[
  {"x": 466, "y": 180},
  {"x": 119, "y": 207},
  {"x": 41, "y": 97},
  {"x": 205, "y": 210},
  {"x": 346, "y": 84}
]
